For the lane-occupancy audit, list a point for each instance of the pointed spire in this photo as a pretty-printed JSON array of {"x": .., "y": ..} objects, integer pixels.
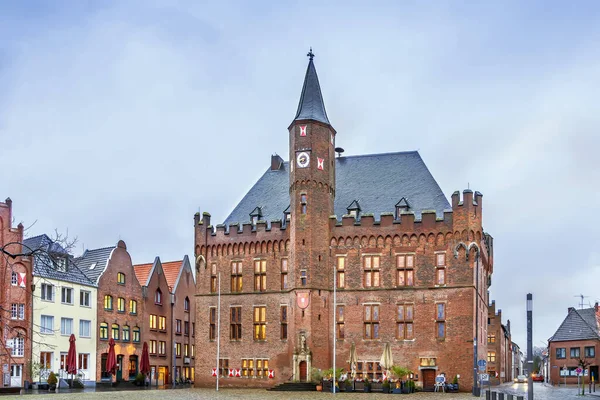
[{"x": 311, "y": 104}]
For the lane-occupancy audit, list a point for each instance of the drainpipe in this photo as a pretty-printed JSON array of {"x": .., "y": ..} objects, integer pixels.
[{"x": 174, "y": 369}]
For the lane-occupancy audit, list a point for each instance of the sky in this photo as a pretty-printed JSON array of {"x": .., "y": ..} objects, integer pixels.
[{"x": 121, "y": 119}]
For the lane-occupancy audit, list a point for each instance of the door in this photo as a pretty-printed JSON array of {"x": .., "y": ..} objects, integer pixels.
[
  {"x": 62, "y": 373},
  {"x": 133, "y": 367},
  {"x": 302, "y": 368},
  {"x": 163, "y": 377},
  {"x": 119, "y": 367},
  {"x": 16, "y": 370},
  {"x": 428, "y": 379}
]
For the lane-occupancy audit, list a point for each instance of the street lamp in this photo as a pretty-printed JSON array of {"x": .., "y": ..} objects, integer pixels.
[{"x": 529, "y": 346}]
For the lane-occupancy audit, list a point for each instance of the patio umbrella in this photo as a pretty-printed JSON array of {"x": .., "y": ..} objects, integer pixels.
[
  {"x": 145, "y": 362},
  {"x": 111, "y": 359},
  {"x": 71, "y": 365},
  {"x": 352, "y": 360},
  {"x": 387, "y": 360}
]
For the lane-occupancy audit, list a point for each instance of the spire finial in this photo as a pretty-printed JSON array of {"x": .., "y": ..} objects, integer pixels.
[{"x": 310, "y": 54}]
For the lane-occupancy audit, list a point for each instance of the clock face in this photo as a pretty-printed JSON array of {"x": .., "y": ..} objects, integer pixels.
[{"x": 302, "y": 159}]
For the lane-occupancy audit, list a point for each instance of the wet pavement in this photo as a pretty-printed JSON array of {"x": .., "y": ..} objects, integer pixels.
[{"x": 543, "y": 391}]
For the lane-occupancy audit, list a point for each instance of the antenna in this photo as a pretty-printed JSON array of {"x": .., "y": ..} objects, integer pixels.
[
  {"x": 339, "y": 150},
  {"x": 582, "y": 297}
]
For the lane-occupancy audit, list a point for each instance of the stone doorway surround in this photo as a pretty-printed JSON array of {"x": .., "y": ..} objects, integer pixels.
[{"x": 302, "y": 353}]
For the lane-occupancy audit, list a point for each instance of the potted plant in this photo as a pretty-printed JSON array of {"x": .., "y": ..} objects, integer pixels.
[
  {"x": 386, "y": 386},
  {"x": 140, "y": 379},
  {"x": 316, "y": 376},
  {"x": 455, "y": 383},
  {"x": 348, "y": 383},
  {"x": 52, "y": 381},
  {"x": 367, "y": 385},
  {"x": 411, "y": 386}
]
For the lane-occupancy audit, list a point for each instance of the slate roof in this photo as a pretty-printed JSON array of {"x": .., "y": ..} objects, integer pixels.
[
  {"x": 578, "y": 325},
  {"x": 44, "y": 266},
  {"x": 90, "y": 257},
  {"x": 311, "y": 105},
  {"x": 376, "y": 181}
]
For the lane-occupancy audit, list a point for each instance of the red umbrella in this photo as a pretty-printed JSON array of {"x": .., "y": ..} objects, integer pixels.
[
  {"x": 145, "y": 362},
  {"x": 71, "y": 366},
  {"x": 111, "y": 359}
]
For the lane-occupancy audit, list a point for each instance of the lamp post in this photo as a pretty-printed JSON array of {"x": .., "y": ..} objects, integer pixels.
[
  {"x": 334, "y": 324},
  {"x": 529, "y": 346}
]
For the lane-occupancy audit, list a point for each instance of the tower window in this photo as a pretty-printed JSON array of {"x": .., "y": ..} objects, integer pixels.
[
  {"x": 303, "y": 203},
  {"x": 303, "y": 278}
]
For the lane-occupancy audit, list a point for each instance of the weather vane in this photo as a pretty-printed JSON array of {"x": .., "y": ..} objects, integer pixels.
[{"x": 310, "y": 54}]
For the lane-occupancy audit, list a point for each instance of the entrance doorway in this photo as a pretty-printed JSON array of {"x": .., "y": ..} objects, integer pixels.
[
  {"x": 133, "y": 367},
  {"x": 163, "y": 375},
  {"x": 120, "y": 367},
  {"x": 428, "y": 379},
  {"x": 16, "y": 371},
  {"x": 302, "y": 367}
]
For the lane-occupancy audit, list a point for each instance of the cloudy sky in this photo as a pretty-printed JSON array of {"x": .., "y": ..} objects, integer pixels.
[{"x": 122, "y": 119}]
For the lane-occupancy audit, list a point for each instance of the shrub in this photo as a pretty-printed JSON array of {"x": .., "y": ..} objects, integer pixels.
[
  {"x": 455, "y": 380},
  {"x": 140, "y": 378},
  {"x": 316, "y": 375},
  {"x": 52, "y": 379}
]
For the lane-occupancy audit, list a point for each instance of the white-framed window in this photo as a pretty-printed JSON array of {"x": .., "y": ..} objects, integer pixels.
[
  {"x": 17, "y": 311},
  {"x": 66, "y": 326},
  {"x": 18, "y": 347},
  {"x": 21, "y": 311},
  {"x": 66, "y": 296},
  {"x": 47, "y": 292},
  {"x": 85, "y": 328},
  {"x": 84, "y": 298},
  {"x": 84, "y": 360},
  {"x": 47, "y": 324}
]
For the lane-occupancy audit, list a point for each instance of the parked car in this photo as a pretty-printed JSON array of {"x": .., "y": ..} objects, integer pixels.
[
  {"x": 520, "y": 379},
  {"x": 537, "y": 378}
]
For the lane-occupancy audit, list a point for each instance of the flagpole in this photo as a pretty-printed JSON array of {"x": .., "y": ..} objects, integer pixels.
[
  {"x": 334, "y": 324},
  {"x": 218, "y": 329}
]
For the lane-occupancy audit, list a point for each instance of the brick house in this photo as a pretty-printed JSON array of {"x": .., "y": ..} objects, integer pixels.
[
  {"x": 499, "y": 347},
  {"x": 168, "y": 289},
  {"x": 120, "y": 308},
  {"x": 577, "y": 338},
  {"x": 15, "y": 301},
  {"x": 411, "y": 269}
]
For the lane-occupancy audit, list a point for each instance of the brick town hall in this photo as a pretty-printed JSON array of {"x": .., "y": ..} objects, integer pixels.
[{"x": 411, "y": 269}]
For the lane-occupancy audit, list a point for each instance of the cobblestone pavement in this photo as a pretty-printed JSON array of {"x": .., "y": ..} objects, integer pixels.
[
  {"x": 543, "y": 391},
  {"x": 226, "y": 394}
]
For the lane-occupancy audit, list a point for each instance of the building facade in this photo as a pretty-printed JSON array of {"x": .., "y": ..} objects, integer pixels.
[
  {"x": 64, "y": 303},
  {"x": 408, "y": 267},
  {"x": 499, "y": 352},
  {"x": 120, "y": 309},
  {"x": 16, "y": 302},
  {"x": 517, "y": 361},
  {"x": 575, "y": 342}
]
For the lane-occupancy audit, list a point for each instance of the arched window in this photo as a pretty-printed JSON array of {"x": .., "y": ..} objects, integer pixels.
[
  {"x": 121, "y": 278},
  {"x": 186, "y": 304},
  {"x": 115, "y": 331},
  {"x": 104, "y": 331},
  {"x": 136, "y": 334},
  {"x": 126, "y": 333},
  {"x": 158, "y": 297},
  {"x": 108, "y": 300}
]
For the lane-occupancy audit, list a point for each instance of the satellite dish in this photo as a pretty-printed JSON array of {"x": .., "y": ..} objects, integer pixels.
[{"x": 339, "y": 150}]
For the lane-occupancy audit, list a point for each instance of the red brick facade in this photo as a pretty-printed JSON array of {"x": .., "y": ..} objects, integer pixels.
[
  {"x": 499, "y": 347},
  {"x": 15, "y": 302},
  {"x": 129, "y": 351},
  {"x": 311, "y": 243}
]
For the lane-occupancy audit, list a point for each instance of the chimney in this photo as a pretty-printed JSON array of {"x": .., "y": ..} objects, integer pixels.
[
  {"x": 276, "y": 162},
  {"x": 571, "y": 309},
  {"x": 596, "y": 306}
]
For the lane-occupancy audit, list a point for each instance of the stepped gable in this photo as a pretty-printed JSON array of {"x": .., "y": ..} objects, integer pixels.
[
  {"x": 93, "y": 262},
  {"x": 578, "y": 325},
  {"x": 377, "y": 180},
  {"x": 44, "y": 266}
]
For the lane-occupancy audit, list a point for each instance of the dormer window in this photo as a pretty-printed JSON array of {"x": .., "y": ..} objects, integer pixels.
[
  {"x": 256, "y": 215},
  {"x": 60, "y": 263},
  {"x": 286, "y": 215},
  {"x": 354, "y": 209},
  {"x": 402, "y": 206}
]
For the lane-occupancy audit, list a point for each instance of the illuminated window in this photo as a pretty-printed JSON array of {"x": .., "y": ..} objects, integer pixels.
[
  {"x": 108, "y": 302},
  {"x": 236, "y": 276},
  {"x": 125, "y": 333},
  {"x": 260, "y": 323},
  {"x": 213, "y": 278},
  {"x": 341, "y": 263},
  {"x": 340, "y": 322},
  {"x": 115, "y": 331},
  {"x": 104, "y": 331},
  {"x": 284, "y": 273},
  {"x": 260, "y": 275},
  {"x": 121, "y": 278},
  {"x": 132, "y": 307},
  {"x": 162, "y": 323},
  {"x": 153, "y": 320},
  {"x": 492, "y": 338},
  {"x": 121, "y": 304},
  {"x": 491, "y": 357},
  {"x": 440, "y": 270},
  {"x": 136, "y": 334}
]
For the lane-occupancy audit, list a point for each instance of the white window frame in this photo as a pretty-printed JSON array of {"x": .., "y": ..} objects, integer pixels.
[
  {"x": 82, "y": 334},
  {"x": 63, "y": 292},
  {"x": 44, "y": 328},
  {"x": 63, "y": 324},
  {"x": 44, "y": 295},
  {"x": 86, "y": 295}
]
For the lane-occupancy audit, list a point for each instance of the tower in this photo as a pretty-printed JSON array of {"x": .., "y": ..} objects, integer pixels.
[{"x": 312, "y": 192}]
